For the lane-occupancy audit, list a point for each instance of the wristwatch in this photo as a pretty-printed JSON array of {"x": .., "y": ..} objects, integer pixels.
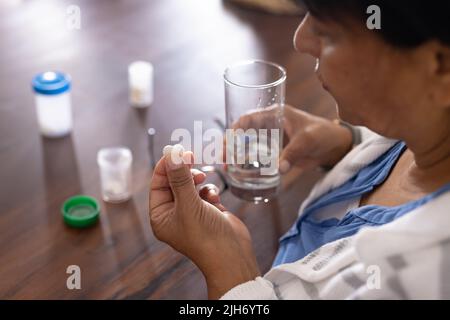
[{"x": 356, "y": 133}]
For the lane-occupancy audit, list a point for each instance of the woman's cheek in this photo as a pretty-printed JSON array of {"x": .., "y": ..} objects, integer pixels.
[
  {"x": 340, "y": 77},
  {"x": 333, "y": 71}
]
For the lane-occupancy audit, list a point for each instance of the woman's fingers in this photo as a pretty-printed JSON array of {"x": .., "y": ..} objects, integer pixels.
[
  {"x": 294, "y": 153},
  {"x": 258, "y": 118},
  {"x": 210, "y": 193},
  {"x": 198, "y": 176}
]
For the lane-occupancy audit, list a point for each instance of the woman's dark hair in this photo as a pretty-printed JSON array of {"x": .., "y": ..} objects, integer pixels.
[{"x": 404, "y": 23}]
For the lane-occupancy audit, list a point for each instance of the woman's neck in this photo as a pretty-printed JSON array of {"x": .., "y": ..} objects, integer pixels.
[
  {"x": 430, "y": 159},
  {"x": 432, "y": 154}
]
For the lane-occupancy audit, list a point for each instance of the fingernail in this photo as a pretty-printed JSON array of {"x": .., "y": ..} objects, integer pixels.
[
  {"x": 284, "y": 166},
  {"x": 176, "y": 157},
  {"x": 187, "y": 158}
]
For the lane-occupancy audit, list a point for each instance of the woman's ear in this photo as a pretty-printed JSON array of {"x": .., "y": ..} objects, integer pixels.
[
  {"x": 442, "y": 75},
  {"x": 435, "y": 57},
  {"x": 443, "y": 60}
]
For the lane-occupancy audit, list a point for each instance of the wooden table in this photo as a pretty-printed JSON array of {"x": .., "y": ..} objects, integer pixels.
[{"x": 189, "y": 43}]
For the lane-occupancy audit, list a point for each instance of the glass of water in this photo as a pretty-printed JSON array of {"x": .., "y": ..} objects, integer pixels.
[
  {"x": 254, "y": 103},
  {"x": 115, "y": 173}
]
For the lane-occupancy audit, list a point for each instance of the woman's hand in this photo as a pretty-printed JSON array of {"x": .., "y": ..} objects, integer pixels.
[
  {"x": 309, "y": 141},
  {"x": 197, "y": 225},
  {"x": 312, "y": 141}
]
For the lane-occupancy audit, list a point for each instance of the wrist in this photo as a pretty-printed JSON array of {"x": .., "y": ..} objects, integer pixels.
[
  {"x": 221, "y": 281},
  {"x": 226, "y": 269},
  {"x": 345, "y": 136}
]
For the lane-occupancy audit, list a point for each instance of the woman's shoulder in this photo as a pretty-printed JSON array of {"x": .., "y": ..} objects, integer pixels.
[{"x": 371, "y": 148}]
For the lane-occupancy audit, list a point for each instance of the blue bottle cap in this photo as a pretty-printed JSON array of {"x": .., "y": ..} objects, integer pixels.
[{"x": 51, "y": 82}]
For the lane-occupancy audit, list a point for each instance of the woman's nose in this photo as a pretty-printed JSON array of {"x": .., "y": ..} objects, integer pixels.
[{"x": 305, "y": 40}]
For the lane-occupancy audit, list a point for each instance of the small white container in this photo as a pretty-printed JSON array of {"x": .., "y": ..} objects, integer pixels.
[
  {"x": 53, "y": 103},
  {"x": 115, "y": 173},
  {"x": 140, "y": 80}
]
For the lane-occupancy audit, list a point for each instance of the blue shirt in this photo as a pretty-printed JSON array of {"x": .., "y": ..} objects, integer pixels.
[{"x": 308, "y": 234}]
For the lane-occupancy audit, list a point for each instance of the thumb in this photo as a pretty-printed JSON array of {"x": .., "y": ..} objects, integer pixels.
[
  {"x": 285, "y": 162},
  {"x": 294, "y": 154},
  {"x": 178, "y": 169}
]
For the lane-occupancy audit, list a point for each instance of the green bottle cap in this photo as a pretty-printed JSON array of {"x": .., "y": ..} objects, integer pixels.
[{"x": 80, "y": 211}]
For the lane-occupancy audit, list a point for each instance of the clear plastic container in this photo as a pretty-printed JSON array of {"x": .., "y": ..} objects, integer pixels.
[
  {"x": 115, "y": 173},
  {"x": 53, "y": 103}
]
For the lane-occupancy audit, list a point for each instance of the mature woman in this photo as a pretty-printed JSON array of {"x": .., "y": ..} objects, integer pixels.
[{"x": 377, "y": 225}]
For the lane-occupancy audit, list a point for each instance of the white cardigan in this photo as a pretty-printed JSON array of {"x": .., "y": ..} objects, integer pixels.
[{"x": 408, "y": 258}]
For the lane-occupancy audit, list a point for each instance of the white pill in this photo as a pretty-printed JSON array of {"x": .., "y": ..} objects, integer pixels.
[
  {"x": 167, "y": 150},
  {"x": 178, "y": 149},
  {"x": 177, "y": 154}
]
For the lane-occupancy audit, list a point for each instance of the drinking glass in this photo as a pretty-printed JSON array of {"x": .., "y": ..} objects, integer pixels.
[{"x": 254, "y": 103}]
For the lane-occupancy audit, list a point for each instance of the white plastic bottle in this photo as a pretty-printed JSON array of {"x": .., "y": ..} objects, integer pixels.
[
  {"x": 53, "y": 103},
  {"x": 140, "y": 79}
]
